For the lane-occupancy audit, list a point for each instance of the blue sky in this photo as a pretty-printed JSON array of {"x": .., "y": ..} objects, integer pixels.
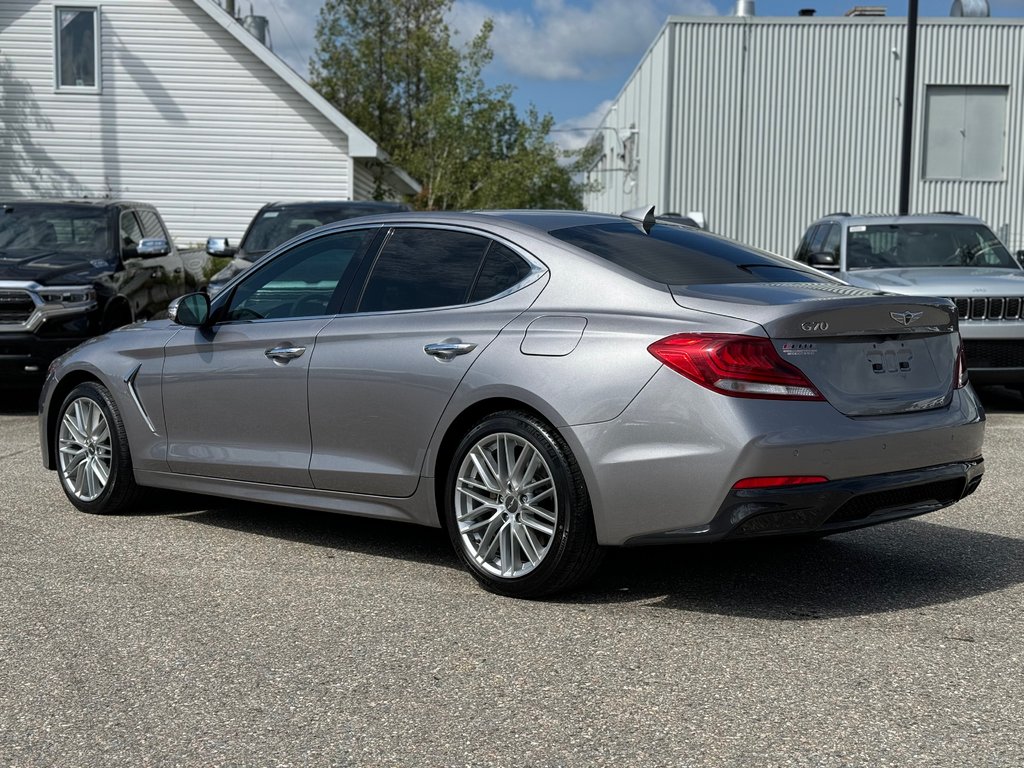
[{"x": 568, "y": 57}]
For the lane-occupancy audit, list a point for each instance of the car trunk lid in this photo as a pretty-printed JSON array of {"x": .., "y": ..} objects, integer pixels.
[{"x": 868, "y": 353}]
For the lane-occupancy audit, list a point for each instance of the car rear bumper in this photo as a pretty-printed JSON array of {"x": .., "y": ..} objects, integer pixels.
[
  {"x": 669, "y": 462},
  {"x": 839, "y": 505}
]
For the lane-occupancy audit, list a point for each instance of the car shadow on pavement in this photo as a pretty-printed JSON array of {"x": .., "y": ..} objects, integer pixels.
[
  {"x": 385, "y": 538},
  {"x": 899, "y": 566}
]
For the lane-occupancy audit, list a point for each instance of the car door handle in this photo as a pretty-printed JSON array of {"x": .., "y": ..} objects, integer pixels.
[
  {"x": 448, "y": 349},
  {"x": 284, "y": 354}
]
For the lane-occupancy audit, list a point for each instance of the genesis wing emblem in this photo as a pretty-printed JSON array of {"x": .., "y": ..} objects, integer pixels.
[{"x": 905, "y": 318}]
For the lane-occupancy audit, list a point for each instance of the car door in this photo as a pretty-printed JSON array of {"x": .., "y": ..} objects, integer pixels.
[
  {"x": 382, "y": 375},
  {"x": 235, "y": 394}
]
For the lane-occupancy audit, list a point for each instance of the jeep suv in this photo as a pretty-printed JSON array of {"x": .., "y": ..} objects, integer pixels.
[
  {"x": 73, "y": 269},
  {"x": 277, "y": 223},
  {"x": 947, "y": 255}
]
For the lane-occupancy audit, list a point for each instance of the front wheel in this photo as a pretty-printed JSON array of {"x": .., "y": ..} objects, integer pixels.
[
  {"x": 93, "y": 459},
  {"x": 517, "y": 508}
]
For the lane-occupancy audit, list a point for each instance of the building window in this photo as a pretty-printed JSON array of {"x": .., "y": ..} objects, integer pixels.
[
  {"x": 77, "y": 48},
  {"x": 965, "y": 132}
]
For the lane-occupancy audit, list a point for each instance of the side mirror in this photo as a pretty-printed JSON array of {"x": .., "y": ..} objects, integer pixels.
[
  {"x": 219, "y": 246},
  {"x": 152, "y": 246},
  {"x": 192, "y": 309},
  {"x": 823, "y": 261},
  {"x": 1020, "y": 257}
]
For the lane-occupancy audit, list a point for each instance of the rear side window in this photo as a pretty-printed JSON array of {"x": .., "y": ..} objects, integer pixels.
[
  {"x": 420, "y": 268},
  {"x": 501, "y": 270},
  {"x": 678, "y": 256}
]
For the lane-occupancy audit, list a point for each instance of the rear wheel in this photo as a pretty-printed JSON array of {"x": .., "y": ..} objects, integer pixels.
[
  {"x": 517, "y": 508},
  {"x": 93, "y": 459}
]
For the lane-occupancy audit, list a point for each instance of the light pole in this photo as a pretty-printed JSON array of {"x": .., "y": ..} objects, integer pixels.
[{"x": 909, "y": 65}]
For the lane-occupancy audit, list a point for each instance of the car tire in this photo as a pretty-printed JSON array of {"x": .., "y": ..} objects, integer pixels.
[
  {"x": 517, "y": 508},
  {"x": 93, "y": 460}
]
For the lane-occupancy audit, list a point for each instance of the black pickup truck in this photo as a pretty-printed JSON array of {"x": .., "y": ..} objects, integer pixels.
[{"x": 73, "y": 269}]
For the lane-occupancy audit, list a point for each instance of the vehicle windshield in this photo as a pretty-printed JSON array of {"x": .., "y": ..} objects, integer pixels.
[
  {"x": 925, "y": 245},
  {"x": 53, "y": 228},
  {"x": 683, "y": 256},
  {"x": 274, "y": 226}
]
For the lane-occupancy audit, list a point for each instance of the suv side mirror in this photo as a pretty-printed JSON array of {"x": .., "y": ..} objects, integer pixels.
[
  {"x": 152, "y": 246},
  {"x": 192, "y": 309},
  {"x": 1020, "y": 257},
  {"x": 219, "y": 246},
  {"x": 823, "y": 261}
]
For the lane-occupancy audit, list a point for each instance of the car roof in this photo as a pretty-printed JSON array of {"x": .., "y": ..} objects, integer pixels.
[
  {"x": 81, "y": 202},
  {"x": 914, "y": 218},
  {"x": 370, "y": 205}
]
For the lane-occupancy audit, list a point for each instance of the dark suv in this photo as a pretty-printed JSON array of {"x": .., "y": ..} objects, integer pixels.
[
  {"x": 73, "y": 269},
  {"x": 277, "y": 223}
]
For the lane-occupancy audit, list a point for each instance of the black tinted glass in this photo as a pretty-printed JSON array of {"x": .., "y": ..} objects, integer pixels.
[
  {"x": 679, "y": 256},
  {"x": 35, "y": 227},
  {"x": 421, "y": 268},
  {"x": 502, "y": 269},
  {"x": 299, "y": 283},
  {"x": 274, "y": 226}
]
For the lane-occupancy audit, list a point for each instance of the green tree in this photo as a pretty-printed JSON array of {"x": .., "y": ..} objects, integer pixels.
[{"x": 391, "y": 67}]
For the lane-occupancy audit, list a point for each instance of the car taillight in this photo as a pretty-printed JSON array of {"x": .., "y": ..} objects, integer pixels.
[
  {"x": 734, "y": 365},
  {"x": 778, "y": 481},
  {"x": 961, "y": 367}
]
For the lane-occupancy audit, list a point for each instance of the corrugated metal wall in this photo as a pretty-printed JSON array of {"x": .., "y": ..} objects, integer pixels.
[
  {"x": 188, "y": 119},
  {"x": 765, "y": 124}
]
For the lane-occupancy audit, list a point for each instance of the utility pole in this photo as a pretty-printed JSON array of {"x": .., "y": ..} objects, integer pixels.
[{"x": 909, "y": 65}]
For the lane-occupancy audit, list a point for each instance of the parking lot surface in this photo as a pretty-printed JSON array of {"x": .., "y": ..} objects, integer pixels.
[{"x": 204, "y": 632}]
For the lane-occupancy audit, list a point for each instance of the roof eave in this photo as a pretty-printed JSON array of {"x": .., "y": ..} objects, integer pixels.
[{"x": 359, "y": 144}]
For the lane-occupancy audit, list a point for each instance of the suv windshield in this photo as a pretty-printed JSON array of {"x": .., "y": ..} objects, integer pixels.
[
  {"x": 924, "y": 245},
  {"x": 683, "y": 256},
  {"x": 273, "y": 226},
  {"x": 35, "y": 227}
]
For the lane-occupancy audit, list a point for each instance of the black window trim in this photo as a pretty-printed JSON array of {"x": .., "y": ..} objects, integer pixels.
[{"x": 537, "y": 268}]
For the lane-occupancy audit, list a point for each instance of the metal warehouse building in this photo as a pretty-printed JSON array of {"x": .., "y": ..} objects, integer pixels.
[{"x": 765, "y": 124}]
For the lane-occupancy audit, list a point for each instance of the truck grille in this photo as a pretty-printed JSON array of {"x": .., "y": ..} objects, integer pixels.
[
  {"x": 989, "y": 308},
  {"x": 15, "y": 306}
]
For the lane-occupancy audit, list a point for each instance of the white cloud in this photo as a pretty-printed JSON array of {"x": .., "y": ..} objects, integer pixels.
[{"x": 555, "y": 40}]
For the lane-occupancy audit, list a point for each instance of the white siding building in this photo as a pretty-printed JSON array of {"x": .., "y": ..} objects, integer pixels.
[
  {"x": 765, "y": 124},
  {"x": 171, "y": 102}
]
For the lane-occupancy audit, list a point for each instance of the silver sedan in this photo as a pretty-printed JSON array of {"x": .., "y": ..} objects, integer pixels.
[{"x": 544, "y": 385}]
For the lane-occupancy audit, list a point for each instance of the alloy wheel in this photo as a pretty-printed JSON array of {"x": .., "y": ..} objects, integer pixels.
[
  {"x": 506, "y": 505},
  {"x": 84, "y": 449}
]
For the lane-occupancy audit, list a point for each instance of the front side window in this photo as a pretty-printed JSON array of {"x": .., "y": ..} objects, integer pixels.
[
  {"x": 151, "y": 226},
  {"x": 306, "y": 281},
  {"x": 925, "y": 245},
  {"x": 131, "y": 231},
  {"x": 77, "y": 48}
]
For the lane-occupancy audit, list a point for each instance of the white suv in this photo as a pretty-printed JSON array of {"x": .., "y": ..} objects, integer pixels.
[{"x": 934, "y": 255}]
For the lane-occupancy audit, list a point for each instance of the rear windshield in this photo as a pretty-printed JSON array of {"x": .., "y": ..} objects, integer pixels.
[
  {"x": 679, "y": 256},
  {"x": 925, "y": 245}
]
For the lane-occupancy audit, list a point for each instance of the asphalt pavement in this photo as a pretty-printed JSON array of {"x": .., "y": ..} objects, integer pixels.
[{"x": 205, "y": 632}]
